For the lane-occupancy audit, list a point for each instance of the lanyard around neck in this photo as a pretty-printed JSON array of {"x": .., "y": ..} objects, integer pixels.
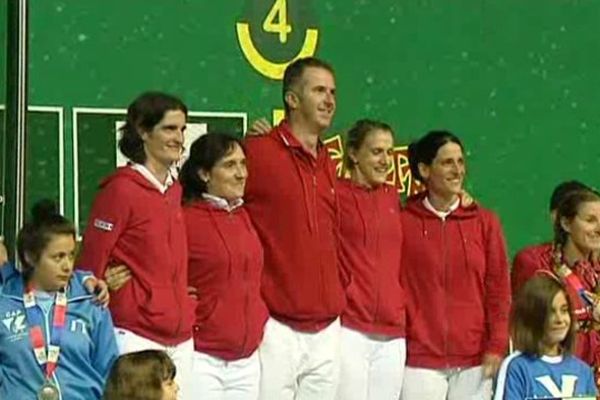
[{"x": 46, "y": 358}]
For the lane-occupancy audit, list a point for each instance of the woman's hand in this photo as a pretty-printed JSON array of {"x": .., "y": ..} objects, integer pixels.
[
  {"x": 3, "y": 253},
  {"x": 259, "y": 127},
  {"x": 491, "y": 365},
  {"x": 117, "y": 276},
  {"x": 466, "y": 200},
  {"x": 98, "y": 288}
]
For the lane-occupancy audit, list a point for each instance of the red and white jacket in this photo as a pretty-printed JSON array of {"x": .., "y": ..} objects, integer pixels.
[
  {"x": 292, "y": 200},
  {"x": 225, "y": 267},
  {"x": 370, "y": 253},
  {"x": 133, "y": 223},
  {"x": 456, "y": 277}
]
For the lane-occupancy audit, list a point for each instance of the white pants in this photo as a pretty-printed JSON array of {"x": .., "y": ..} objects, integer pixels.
[
  {"x": 299, "y": 365},
  {"x": 372, "y": 367},
  {"x": 446, "y": 384},
  {"x": 129, "y": 342},
  {"x": 217, "y": 379}
]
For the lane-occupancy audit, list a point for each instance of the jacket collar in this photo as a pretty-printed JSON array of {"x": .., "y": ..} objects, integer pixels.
[
  {"x": 14, "y": 287},
  {"x": 221, "y": 203},
  {"x": 162, "y": 187}
]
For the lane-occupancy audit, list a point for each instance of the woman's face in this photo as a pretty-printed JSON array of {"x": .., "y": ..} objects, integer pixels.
[
  {"x": 584, "y": 228},
  {"x": 163, "y": 144},
  {"x": 558, "y": 323},
  {"x": 445, "y": 176},
  {"x": 170, "y": 388},
  {"x": 372, "y": 161},
  {"x": 55, "y": 266},
  {"x": 227, "y": 178}
]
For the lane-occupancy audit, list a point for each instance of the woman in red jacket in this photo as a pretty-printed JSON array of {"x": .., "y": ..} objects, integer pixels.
[
  {"x": 373, "y": 349},
  {"x": 455, "y": 274},
  {"x": 527, "y": 261},
  {"x": 136, "y": 220},
  {"x": 572, "y": 257},
  {"x": 225, "y": 265}
]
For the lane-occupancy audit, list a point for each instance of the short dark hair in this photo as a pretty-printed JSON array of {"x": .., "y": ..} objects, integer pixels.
[
  {"x": 425, "y": 149},
  {"x": 568, "y": 209},
  {"x": 530, "y": 313},
  {"x": 563, "y": 189},
  {"x": 357, "y": 134},
  {"x": 294, "y": 71},
  {"x": 139, "y": 376},
  {"x": 45, "y": 223},
  {"x": 205, "y": 152},
  {"x": 143, "y": 114}
]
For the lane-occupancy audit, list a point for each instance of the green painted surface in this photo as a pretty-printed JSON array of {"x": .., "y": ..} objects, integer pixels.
[
  {"x": 43, "y": 166},
  {"x": 516, "y": 80}
]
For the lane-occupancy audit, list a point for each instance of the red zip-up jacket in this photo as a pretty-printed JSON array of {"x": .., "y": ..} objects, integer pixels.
[
  {"x": 535, "y": 259},
  {"x": 456, "y": 277},
  {"x": 133, "y": 223},
  {"x": 225, "y": 267},
  {"x": 371, "y": 248},
  {"x": 292, "y": 200}
]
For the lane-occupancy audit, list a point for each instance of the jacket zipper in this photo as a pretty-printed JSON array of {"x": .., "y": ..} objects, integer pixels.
[
  {"x": 54, "y": 378},
  {"x": 246, "y": 316},
  {"x": 377, "y": 220},
  {"x": 316, "y": 225},
  {"x": 174, "y": 278},
  {"x": 445, "y": 260}
]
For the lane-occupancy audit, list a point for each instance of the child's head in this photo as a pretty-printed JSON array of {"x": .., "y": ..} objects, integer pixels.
[
  {"x": 144, "y": 375},
  {"x": 541, "y": 320}
]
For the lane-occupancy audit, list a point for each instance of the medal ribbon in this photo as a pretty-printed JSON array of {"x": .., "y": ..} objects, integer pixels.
[
  {"x": 46, "y": 358},
  {"x": 570, "y": 279}
]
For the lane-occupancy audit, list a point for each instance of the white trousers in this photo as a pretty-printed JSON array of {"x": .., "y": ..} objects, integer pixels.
[
  {"x": 129, "y": 342},
  {"x": 372, "y": 367},
  {"x": 217, "y": 379},
  {"x": 446, "y": 384},
  {"x": 299, "y": 365}
]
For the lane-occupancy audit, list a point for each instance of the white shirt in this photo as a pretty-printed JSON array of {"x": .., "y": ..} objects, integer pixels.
[
  {"x": 152, "y": 179},
  {"x": 441, "y": 214},
  {"x": 221, "y": 203}
]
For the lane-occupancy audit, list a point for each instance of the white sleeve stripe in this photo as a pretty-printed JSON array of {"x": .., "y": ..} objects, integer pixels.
[{"x": 501, "y": 382}]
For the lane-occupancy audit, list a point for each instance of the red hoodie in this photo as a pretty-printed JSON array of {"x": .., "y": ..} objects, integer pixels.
[
  {"x": 225, "y": 267},
  {"x": 133, "y": 223},
  {"x": 527, "y": 262},
  {"x": 371, "y": 246},
  {"x": 291, "y": 198},
  {"x": 455, "y": 274}
]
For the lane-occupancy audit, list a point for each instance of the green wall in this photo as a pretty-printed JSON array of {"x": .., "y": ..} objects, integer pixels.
[{"x": 515, "y": 80}]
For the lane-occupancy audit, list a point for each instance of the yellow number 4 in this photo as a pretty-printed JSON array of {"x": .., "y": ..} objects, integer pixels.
[{"x": 276, "y": 20}]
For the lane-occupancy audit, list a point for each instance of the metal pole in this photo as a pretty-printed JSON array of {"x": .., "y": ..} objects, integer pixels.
[{"x": 15, "y": 135}]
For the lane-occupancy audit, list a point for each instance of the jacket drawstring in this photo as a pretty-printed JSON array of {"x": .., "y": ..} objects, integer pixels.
[
  {"x": 463, "y": 241},
  {"x": 305, "y": 190},
  {"x": 222, "y": 236},
  {"x": 361, "y": 216}
]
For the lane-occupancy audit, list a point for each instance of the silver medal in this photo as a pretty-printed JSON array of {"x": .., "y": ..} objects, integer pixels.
[{"x": 48, "y": 391}]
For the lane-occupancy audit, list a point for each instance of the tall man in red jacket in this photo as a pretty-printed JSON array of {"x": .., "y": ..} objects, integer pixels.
[{"x": 292, "y": 200}]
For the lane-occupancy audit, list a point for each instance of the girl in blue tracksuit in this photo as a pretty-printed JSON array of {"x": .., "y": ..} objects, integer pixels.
[
  {"x": 543, "y": 333},
  {"x": 46, "y": 308}
]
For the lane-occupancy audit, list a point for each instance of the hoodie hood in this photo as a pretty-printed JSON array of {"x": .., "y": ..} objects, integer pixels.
[
  {"x": 130, "y": 174},
  {"x": 414, "y": 205}
]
